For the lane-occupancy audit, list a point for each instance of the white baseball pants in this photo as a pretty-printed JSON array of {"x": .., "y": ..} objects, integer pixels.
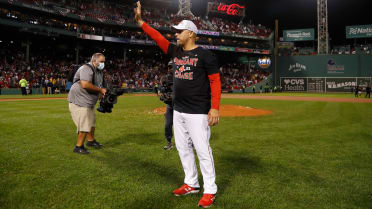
[{"x": 192, "y": 130}]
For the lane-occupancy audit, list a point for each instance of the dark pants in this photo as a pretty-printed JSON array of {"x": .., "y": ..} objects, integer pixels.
[
  {"x": 23, "y": 89},
  {"x": 368, "y": 94},
  {"x": 168, "y": 122}
]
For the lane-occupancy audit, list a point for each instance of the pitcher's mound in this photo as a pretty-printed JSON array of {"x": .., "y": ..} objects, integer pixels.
[{"x": 230, "y": 111}]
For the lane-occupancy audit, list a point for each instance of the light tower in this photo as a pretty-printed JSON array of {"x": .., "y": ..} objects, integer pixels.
[
  {"x": 323, "y": 38},
  {"x": 184, "y": 8}
]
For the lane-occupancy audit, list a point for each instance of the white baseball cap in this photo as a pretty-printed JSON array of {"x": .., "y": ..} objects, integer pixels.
[{"x": 186, "y": 25}]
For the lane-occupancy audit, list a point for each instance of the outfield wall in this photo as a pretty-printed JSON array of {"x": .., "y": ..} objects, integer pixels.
[
  {"x": 324, "y": 73},
  {"x": 15, "y": 91},
  {"x": 323, "y": 84}
]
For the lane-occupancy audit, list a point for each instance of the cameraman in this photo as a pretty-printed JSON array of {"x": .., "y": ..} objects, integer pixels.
[
  {"x": 87, "y": 87},
  {"x": 166, "y": 86}
]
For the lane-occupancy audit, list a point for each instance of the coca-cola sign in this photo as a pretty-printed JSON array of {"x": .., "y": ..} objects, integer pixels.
[
  {"x": 228, "y": 9},
  {"x": 231, "y": 9}
]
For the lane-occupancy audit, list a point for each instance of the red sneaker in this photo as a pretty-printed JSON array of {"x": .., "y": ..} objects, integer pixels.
[
  {"x": 185, "y": 190},
  {"x": 207, "y": 200}
]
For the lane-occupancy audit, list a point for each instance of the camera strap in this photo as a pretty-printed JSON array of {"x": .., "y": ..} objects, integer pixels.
[{"x": 94, "y": 73}]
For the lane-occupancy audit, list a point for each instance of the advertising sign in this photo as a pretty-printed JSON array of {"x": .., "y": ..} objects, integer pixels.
[
  {"x": 207, "y": 32},
  {"x": 115, "y": 39},
  {"x": 299, "y": 35},
  {"x": 335, "y": 68},
  {"x": 90, "y": 37},
  {"x": 264, "y": 62},
  {"x": 244, "y": 50},
  {"x": 293, "y": 84},
  {"x": 227, "y": 48},
  {"x": 227, "y": 9},
  {"x": 364, "y": 82},
  {"x": 359, "y": 31},
  {"x": 340, "y": 84}
]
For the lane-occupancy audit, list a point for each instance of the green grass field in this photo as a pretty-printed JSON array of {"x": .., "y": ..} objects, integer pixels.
[{"x": 305, "y": 155}]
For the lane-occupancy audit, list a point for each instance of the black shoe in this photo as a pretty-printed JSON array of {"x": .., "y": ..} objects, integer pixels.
[
  {"x": 81, "y": 150},
  {"x": 168, "y": 146},
  {"x": 94, "y": 144}
]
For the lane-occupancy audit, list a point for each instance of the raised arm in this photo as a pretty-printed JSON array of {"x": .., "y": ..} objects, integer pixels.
[{"x": 162, "y": 42}]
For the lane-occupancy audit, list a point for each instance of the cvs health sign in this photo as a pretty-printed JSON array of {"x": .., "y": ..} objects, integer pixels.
[{"x": 293, "y": 84}]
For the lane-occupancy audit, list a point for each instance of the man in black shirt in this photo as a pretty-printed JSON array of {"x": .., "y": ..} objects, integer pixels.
[
  {"x": 166, "y": 88},
  {"x": 196, "y": 81}
]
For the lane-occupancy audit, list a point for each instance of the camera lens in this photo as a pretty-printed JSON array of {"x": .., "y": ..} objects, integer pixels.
[{"x": 111, "y": 99}]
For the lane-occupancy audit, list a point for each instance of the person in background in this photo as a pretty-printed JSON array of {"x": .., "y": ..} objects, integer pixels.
[
  {"x": 23, "y": 84},
  {"x": 368, "y": 92},
  {"x": 167, "y": 81},
  {"x": 156, "y": 88},
  {"x": 49, "y": 85},
  {"x": 43, "y": 86}
]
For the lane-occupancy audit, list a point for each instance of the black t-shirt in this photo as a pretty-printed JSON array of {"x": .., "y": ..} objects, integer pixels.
[{"x": 191, "y": 88}]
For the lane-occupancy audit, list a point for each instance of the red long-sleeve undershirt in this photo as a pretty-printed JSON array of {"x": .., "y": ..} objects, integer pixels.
[
  {"x": 215, "y": 84},
  {"x": 214, "y": 79},
  {"x": 162, "y": 42}
]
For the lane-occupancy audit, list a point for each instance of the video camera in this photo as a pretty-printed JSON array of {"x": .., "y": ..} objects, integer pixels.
[
  {"x": 111, "y": 97},
  {"x": 165, "y": 89}
]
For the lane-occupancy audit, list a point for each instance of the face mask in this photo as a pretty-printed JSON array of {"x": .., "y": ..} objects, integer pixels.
[{"x": 101, "y": 65}]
